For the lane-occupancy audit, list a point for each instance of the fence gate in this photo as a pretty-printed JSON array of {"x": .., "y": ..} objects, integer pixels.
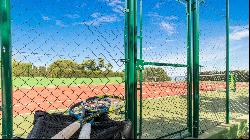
[{"x": 158, "y": 81}]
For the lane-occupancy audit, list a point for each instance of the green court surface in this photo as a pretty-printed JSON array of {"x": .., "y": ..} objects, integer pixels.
[{"x": 43, "y": 81}]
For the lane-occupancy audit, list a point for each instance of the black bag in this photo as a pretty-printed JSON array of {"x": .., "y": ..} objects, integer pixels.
[{"x": 48, "y": 125}]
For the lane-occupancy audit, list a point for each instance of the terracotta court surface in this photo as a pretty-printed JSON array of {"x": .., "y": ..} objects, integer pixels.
[{"x": 28, "y": 100}]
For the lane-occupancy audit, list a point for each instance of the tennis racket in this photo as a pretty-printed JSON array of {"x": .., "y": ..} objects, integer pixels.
[{"x": 87, "y": 111}]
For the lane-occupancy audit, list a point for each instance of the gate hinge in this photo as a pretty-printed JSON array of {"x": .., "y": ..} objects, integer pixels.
[{"x": 139, "y": 64}]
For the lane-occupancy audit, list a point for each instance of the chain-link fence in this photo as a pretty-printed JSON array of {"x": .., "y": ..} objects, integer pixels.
[
  {"x": 64, "y": 52},
  {"x": 164, "y": 88},
  {"x": 213, "y": 65},
  {"x": 213, "y": 68}
]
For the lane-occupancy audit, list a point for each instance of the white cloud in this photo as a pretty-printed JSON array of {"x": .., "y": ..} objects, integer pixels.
[
  {"x": 168, "y": 27},
  {"x": 154, "y": 14},
  {"x": 159, "y": 4},
  {"x": 99, "y": 19},
  {"x": 170, "y": 40},
  {"x": 239, "y": 33},
  {"x": 72, "y": 16},
  {"x": 166, "y": 22},
  {"x": 117, "y": 5},
  {"x": 171, "y": 17},
  {"x": 46, "y": 18},
  {"x": 96, "y": 15},
  {"x": 158, "y": 16},
  {"x": 60, "y": 23}
]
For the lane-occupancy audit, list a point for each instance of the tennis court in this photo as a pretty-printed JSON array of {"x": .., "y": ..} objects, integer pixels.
[
  {"x": 174, "y": 63},
  {"x": 164, "y": 103}
]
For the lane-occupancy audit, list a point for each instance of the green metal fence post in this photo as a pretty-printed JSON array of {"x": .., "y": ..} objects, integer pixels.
[
  {"x": 131, "y": 69},
  {"x": 196, "y": 66},
  {"x": 227, "y": 64},
  {"x": 140, "y": 125},
  {"x": 189, "y": 68},
  {"x": 126, "y": 58},
  {"x": 6, "y": 70},
  {"x": 135, "y": 70}
]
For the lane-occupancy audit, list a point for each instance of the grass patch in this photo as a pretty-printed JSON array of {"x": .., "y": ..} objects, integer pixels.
[{"x": 43, "y": 81}]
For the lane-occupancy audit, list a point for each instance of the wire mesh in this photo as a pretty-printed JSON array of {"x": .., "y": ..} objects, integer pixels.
[
  {"x": 64, "y": 52},
  {"x": 213, "y": 70},
  {"x": 164, "y": 89},
  {"x": 213, "y": 62}
]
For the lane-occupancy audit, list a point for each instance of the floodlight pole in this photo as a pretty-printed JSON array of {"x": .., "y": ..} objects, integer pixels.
[{"x": 6, "y": 70}]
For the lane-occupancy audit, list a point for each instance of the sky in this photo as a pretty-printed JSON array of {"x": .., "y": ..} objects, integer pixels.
[{"x": 46, "y": 30}]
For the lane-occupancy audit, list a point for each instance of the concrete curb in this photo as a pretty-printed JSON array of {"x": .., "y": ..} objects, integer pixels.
[{"x": 236, "y": 129}]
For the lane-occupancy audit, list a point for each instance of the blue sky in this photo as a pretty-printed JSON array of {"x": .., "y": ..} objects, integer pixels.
[{"x": 46, "y": 30}]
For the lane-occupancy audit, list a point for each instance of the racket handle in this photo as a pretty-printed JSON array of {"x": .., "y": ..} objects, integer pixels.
[
  {"x": 85, "y": 132},
  {"x": 67, "y": 132}
]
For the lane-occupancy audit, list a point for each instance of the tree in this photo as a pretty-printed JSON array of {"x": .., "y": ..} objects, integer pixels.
[
  {"x": 152, "y": 74},
  {"x": 101, "y": 63},
  {"x": 109, "y": 66},
  {"x": 88, "y": 64},
  {"x": 22, "y": 68},
  {"x": 63, "y": 68},
  {"x": 66, "y": 69}
]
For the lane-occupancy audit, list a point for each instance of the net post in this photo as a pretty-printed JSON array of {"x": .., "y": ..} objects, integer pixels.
[
  {"x": 190, "y": 65},
  {"x": 6, "y": 70},
  {"x": 227, "y": 65},
  {"x": 196, "y": 66}
]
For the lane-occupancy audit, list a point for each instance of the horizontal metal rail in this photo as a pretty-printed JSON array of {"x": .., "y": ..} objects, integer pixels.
[{"x": 165, "y": 64}]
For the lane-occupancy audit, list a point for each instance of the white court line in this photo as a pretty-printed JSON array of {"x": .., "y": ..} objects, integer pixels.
[
  {"x": 59, "y": 101},
  {"x": 144, "y": 93},
  {"x": 16, "y": 105}
]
